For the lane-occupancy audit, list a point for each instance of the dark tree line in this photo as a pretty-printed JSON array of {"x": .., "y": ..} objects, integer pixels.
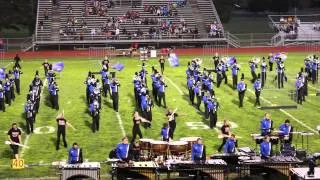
[{"x": 15, "y": 14}]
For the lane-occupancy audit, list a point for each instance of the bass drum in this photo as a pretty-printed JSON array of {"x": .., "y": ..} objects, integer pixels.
[
  {"x": 178, "y": 147},
  {"x": 159, "y": 146}
]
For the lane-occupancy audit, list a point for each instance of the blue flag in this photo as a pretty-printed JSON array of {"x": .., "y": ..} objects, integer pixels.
[
  {"x": 58, "y": 66},
  {"x": 231, "y": 60},
  {"x": 2, "y": 73},
  {"x": 173, "y": 60},
  {"x": 118, "y": 66},
  {"x": 281, "y": 55}
]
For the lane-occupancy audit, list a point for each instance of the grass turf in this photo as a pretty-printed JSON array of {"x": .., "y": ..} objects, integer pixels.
[{"x": 97, "y": 146}]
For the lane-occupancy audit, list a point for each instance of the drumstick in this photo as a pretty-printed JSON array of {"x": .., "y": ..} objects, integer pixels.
[
  {"x": 14, "y": 143},
  {"x": 171, "y": 116},
  {"x": 69, "y": 124}
]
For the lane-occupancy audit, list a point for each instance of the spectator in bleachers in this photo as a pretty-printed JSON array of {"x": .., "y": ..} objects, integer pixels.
[
  {"x": 41, "y": 25},
  {"x": 93, "y": 32},
  {"x": 46, "y": 14},
  {"x": 69, "y": 8},
  {"x": 117, "y": 33}
]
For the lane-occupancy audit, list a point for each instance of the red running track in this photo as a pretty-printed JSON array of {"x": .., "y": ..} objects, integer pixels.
[{"x": 190, "y": 51}]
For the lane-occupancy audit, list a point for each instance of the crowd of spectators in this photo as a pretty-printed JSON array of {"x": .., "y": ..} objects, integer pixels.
[
  {"x": 215, "y": 30},
  {"x": 288, "y": 25},
  {"x": 169, "y": 10},
  {"x": 113, "y": 27},
  {"x": 316, "y": 26}
]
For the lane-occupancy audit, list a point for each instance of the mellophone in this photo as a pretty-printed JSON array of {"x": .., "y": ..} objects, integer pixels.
[
  {"x": 154, "y": 147},
  {"x": 88, "y": 169}
]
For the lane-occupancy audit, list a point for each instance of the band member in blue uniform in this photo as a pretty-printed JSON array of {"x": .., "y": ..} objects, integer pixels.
[
  {"x": 300, "y": 90},
  {"x": 286, "y": 131},
  {"x": 17, "y": 73},
  {"x": 266, "y": 125},
  {"x": 241, "y": 87},
  {"x": 30, "y": 115},
  {"x": 224, "y": 70},
  {"x": 150, "y": 105},
  {"x": 230, "y": 145},
  {"x": 165, "y": 132},
  {"x": 253, "y": 67},
  {"x": 234, "y": 69},
  {"x": 265, "y": 148},
  {"x": 14, "y": 135},
  {"x": 257, "y": 89},
  {"x": 7, "y": 92},
  {"x": 212, "y": 105},
  {"x": 198, "y": 152},
  {"x": 161, "y": 86},
  {"x": 199, "y": 94},
  {"x": 122, "y": 150},
  {"x": 2, "y": 100},
  {"x": 53, "y": 88},
  {"x": 75, "y": 154},
  {"x": 280, "y": 74},
  {"x": 263, "y": 68},
  {"x": 314, "y": 71},
  {"x": 95, "y": 114},
  {"x": 114, "y": 86}
]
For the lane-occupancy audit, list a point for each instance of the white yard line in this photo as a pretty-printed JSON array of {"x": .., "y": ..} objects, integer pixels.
[
  {"x": 288, "y": 114},
  {"x": 26, "y": 141},
  {"x": 8, "y": 65},
  {"x": 121, "y": 124},
  {"x": 311, "y": 87},
  {"x": 173, "y": 84}
]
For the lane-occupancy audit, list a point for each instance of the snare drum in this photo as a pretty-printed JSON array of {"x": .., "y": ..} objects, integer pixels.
[
  {"x": 145, "y": 144},
  {"x": 177, "y": 147},
  {"x": 159, "y": 146},
  {"x": 258, "y": 139},
  {"x": 274, "y": 139},
  {"x": 190, "y": 141}
]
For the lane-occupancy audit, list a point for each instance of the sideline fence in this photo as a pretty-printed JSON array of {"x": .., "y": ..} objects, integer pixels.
[{"x": 101, "y": 52}]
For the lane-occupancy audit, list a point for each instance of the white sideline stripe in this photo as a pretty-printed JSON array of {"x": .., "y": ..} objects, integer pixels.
[
  {"x": 177, "y": 87},
  {"x": 121, "y": 124},
  {"x": 26, "y": 141},
  {"x": 288, "y": 114}
]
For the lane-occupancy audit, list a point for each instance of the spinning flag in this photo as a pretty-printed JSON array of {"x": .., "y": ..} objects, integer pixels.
[
  {"x": 58, "y": 66},
  {"x": 173, "y": 60},
  {"x": 231, "y": 60},
  {"x": 118, "y": 66},
  {"x": 2, "y": 73},
  {"x": 281, "y": 55}
]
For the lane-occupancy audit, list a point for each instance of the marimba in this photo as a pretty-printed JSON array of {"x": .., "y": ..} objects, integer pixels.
[
  {"x": 281, "y": 164},
  {"x": 88, "y": 169}
]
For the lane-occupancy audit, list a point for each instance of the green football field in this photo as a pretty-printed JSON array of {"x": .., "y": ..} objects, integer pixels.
[{"x": 190, "y": 122}]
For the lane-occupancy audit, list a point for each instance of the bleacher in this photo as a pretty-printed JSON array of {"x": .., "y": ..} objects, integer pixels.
[
  {"x": 45, "y": 33},
  {"x": 208, "y": 15}
]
